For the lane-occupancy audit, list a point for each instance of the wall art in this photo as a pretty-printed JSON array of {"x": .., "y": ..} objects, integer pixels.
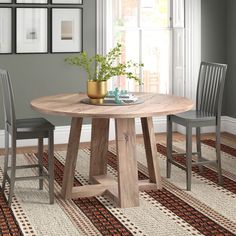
[
  {"x": 66, "y": 29},
  {"x": 5, "y": 30},
  {"x": 32, "y": 1},
  {"x": 5, "y": 1},
  {"x": 67, "y": 2},
  {"x": 31, "y": 30}
]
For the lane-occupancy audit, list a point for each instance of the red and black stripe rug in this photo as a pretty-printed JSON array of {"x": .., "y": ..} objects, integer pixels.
[{"x": 208, "y": 209}]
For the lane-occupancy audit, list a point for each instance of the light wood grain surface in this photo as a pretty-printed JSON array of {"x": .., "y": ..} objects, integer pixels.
[{"x": 70, "y": 105}]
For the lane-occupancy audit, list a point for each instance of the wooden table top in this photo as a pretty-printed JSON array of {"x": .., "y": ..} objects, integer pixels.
[{"x": 70, "y": 105}]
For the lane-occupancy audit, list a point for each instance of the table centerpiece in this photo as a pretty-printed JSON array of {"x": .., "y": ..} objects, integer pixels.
[{"x": 101, "y": 68}]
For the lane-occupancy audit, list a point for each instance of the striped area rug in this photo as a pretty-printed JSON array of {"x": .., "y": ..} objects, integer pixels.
[{"x": 208, "y": 209}]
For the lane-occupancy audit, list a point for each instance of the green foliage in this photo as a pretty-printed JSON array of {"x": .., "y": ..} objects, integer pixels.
[{"x": 102, "y": 68}]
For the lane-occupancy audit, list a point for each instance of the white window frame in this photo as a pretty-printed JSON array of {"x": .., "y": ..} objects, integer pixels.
[
  {"x": 192, "y": 46},
  {"x": 192, "y": 42}
]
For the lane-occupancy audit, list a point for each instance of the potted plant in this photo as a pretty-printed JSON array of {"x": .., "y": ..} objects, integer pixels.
[{"x": 101, "y": 68}]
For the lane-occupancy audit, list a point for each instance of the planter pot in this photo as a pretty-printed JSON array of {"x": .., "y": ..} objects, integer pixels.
[{"x": 96, "y": 91}]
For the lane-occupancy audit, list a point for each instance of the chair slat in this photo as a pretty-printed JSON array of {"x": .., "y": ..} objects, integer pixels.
[
  {"x": 207, "y": 92},
  {"x": 214, "y": 89},
  {"x": 211, "y": 90}
]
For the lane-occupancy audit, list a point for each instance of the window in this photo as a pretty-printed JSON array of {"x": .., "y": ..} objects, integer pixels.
[
  {"x": 145, "y": 30},
  {"x": 163, "y": 34}
]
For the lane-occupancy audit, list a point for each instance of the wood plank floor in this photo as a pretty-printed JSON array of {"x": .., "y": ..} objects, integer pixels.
[{"x": 226, "y": 138}]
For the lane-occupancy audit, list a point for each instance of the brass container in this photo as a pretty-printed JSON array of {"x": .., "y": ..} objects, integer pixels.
[{"x": 96, "y": 91}]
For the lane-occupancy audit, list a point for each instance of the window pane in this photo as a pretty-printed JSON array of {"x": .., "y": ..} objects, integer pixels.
[
  {"x": 154, "y": 13},
  {"x": 130, "y": 51},
  {"x": 156, "y": 59},
  {"x": 126, "y": 12}
]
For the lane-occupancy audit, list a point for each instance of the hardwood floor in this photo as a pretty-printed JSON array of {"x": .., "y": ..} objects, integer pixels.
[{"x": 226, "y": 138}]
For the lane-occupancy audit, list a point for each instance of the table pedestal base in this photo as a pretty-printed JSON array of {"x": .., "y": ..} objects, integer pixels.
[
  {"x": 126, "y": 191},
  {"x": 104, "y": 184}
]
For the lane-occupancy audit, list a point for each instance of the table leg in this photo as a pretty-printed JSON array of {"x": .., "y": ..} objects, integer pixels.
[
  {"x": 128, "y": 189},
  {"x": 99, "y": 147},
  {"x": 71, "y": 157},
  {"x": 151, "y": 151}
]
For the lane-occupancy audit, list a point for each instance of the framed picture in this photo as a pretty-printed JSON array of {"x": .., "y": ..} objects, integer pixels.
[
  {"x": 5, "y": 30},
  {"x": 31, "y": 30},
  {"x": 5, "y": 1},
  {"x": 67, "y": 1},
  {"x": 66, "y": 30},
  {"x": 32, "y": 1}
]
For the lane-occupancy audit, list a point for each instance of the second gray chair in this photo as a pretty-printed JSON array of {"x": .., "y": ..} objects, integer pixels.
[
  {"x": 210, "y": 88},
  {"x": 33, "y": 128}
]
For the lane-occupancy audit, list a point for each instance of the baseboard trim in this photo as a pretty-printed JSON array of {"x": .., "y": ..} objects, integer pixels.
[
  {"x": 229, "y": 124},
  {"x": 62, "y": 132}
]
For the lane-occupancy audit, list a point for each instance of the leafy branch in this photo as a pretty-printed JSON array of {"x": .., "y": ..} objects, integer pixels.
[{"x": 103, "y": 68}]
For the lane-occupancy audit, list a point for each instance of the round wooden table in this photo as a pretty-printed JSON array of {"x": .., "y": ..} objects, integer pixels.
[{"x": 127, "y": 189}]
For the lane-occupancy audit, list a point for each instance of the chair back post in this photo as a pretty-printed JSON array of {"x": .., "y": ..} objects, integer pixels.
[
  {"x": 8, "y": 101},
  {"x": 221, "y": 91},
  {"x": 198, "y": 88},
  {"x": 210, "y": 87}
]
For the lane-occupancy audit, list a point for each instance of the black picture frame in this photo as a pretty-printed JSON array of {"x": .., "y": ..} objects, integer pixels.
[
  {"x": 33, "y": 38},
  {"x": 6, "y": 29},
  {"x": 66, "y": 30}
]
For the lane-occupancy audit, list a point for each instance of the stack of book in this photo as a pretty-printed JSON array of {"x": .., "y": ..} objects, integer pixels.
[{"x": 127, "y": 98}]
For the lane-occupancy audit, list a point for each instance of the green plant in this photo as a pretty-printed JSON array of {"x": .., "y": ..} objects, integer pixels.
[{"x": 102, "y": 68}]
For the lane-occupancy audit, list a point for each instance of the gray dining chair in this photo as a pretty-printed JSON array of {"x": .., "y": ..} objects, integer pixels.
[
  {"x": 32, "y": 128},
  {"x": 210, "y": 88}
]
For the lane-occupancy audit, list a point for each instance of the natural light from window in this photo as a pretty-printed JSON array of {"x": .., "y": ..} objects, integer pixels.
[{"x": 143, "y": 28}]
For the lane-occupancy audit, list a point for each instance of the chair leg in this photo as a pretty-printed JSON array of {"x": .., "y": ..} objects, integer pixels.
[
  {"x": 13, "y": 170},
  {"x": 218, "y": 155},
  {"x": 199, "y": 149},
  {"x": 6, "y": 158},
  {"x": 188, "y": 156},
  {"x": 40, "y": 161},
  {"x": 51, "y": 166},
  {"x": 169, "y": 146}
]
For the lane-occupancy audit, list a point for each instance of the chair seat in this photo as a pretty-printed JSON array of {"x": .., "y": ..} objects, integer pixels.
[
  {"x": 33, "y": 128},
  {"x": 194, "y": 118},
  {"x": 33, "y": 125}
]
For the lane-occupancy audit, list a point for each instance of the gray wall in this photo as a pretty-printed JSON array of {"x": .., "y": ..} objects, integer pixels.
[
  {"x": 213, "y": 33},
  {"x": 218, "y": 44},
  {"x": 214, "y": 36},
  {"x": 230, "y": 95},
  {"x": 38, "y": 75}
]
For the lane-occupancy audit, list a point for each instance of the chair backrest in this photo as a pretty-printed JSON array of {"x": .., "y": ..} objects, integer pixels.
[
  {"x": 8, "y": 98},
  {"x": 210, "y": 88}
]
